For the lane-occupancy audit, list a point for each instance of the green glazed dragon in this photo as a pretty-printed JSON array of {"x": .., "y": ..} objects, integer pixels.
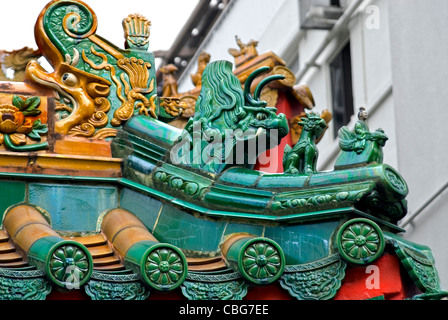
[{"x": 228, "y": 122}]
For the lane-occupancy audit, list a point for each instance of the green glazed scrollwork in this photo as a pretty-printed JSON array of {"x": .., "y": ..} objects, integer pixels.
[
  {"x": 101, "y": 290},
  {"x": 313, "y": 201},
  {"x": 23, "y": 285},
  {"x": 24, "y": 289},
  {"x": 360, "y": 241},
  {"x": 318, "y": 280},
  {"x": 67, "y": 22},
  {"x": 230, "y": 290},
  {"x": 189, "y": 188}
]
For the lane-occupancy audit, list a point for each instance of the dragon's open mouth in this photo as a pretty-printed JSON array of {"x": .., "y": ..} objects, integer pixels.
[
  {"x": 278, "y": 127},
  {"x": 249, "y": 134}
]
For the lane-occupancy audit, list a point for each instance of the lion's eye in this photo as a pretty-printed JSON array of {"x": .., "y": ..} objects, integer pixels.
[
  {"x": 69, "y": 79},
  {"x": 261, "y": 116}
]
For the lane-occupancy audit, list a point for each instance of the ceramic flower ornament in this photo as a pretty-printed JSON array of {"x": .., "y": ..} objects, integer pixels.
[{"x": 18, "y": 121}]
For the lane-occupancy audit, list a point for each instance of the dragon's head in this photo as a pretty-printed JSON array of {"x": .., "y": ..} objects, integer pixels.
[
  {"x": 379, "y": 137},
  {"x": 238, "y": 120},
  {"x": 313, "y": 123},
  {"x": 259, "y": 118},
  {"x": 77, "y": 88}
]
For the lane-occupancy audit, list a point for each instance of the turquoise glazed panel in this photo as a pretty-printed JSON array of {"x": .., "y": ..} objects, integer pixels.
[
  {"x": 305, "y": 242},
  {"x": 11, "y": 193},
  {"x": 188, "y": 232},
  {"x": 73, "y": 208},
  {"x": 255, "y": 230},
  {"x": 144, "y": 207}
]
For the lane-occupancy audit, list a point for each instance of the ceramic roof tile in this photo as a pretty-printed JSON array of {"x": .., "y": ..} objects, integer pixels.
[
  {"x": 10, "y": 257},
  {"x": 104, "y": 258}
]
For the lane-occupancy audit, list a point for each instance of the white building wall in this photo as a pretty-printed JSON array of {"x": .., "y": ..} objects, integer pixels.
[
  {"x": 419, "y": 47},
  {"x": 371, "y": 73},
  {"x": 249, "y": 20}
]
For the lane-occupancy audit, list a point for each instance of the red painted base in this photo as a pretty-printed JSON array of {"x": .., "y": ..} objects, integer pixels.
[
  {"x": 271, "y": 161},
  {"x": 384, "y": 278}
]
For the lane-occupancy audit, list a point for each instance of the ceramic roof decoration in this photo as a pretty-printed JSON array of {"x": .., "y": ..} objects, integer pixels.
[{"x": 110, "y": 191}]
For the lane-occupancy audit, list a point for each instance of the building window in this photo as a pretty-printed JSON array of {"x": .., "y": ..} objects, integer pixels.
[{"x": 341, "y": 89}]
